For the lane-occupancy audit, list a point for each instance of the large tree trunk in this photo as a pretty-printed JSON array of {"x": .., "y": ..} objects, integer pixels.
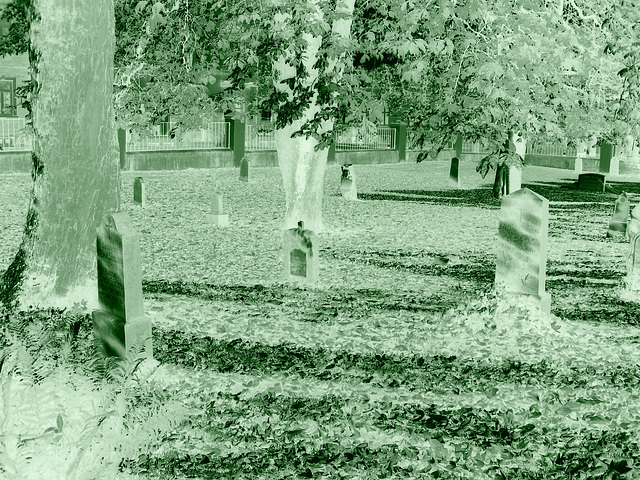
[
  {"x": 301, "y": 166},
  {"x": 75, "y": 157}
]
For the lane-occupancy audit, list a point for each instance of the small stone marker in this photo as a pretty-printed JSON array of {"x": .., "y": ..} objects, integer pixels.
[
  {"x": 577, "y": 166},
  {"x": 592, "y": 182},
  {"x": 521, "y": 264},
  {"x": 618, "y": 224},
  {"x": 454, "y": 172},
  {"x": 244, "y": 169},
  {"x": 348, "y": 182},
  {"x": 217, "y": 215},
  {"x": 120, "y": 323},
  {"x": 138, "y": 192},
  {"x": 300, "y": 255}
]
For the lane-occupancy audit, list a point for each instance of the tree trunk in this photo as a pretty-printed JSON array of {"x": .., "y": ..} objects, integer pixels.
[
  {"x": 501, "y": 182},
  {"x": 301, "y": 166},
  {"x": 75, "y": 157}
]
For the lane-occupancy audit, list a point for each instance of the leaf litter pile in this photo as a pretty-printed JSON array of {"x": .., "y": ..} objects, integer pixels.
[{"x": 398, "y": 364}]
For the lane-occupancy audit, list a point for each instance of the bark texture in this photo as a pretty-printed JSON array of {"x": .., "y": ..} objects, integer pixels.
[{"x": 75, "y": 157}]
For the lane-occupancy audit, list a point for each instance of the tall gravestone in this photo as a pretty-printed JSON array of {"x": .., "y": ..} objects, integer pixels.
[
  {"x": 217, "y": 216},
  {"x": 138, "y": 192},
  {"x": 454, "y": 173},
  {"x": 244, "y": 169},
  {"x": 348, "y": 183},
  {"x": 618, "y": 224},
  {"x": 521, "y": 263},
  {"x": 120, "y": 324},
  {"x": 606, "y": 154},
  {"x": 300, "y": 255}
]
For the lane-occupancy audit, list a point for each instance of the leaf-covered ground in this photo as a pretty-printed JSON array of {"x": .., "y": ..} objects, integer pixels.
[{"x": 395, "y": 365}]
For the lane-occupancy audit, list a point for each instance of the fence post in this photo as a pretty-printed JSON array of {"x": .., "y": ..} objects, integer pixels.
[
  {"x": 401, "y": 140},
  {"x": 122, "y": 143},
  {"x": 606, "y": 152},
  {"x": 236, "y": 139}
]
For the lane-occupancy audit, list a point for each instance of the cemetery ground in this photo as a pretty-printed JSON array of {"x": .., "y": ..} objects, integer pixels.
[{"x": 396, "y": 365}]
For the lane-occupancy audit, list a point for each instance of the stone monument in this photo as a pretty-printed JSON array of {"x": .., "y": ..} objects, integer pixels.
[
  {"x": 138, "y": 192},
  {"x": 217, "y": 216},
  {"x": 618, "y": 224},
  {"x": 120, "y": 324},
  {"x": 348, "y": 182},
  {"x": 521, "y": 262},
  {"x": 244, "y": 169},
  {"x": 592, "y": 182}
]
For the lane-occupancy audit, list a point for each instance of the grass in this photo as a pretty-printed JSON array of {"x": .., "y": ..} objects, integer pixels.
[{"x": 398, "y": 365}]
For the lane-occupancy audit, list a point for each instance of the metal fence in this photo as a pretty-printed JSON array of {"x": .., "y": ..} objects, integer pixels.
[
  {"x": 14, "y": 137},
  {"x": 260, "y": 137},
  {"x": 351, "y": 139},
  {"x": 213, "y": 136}
]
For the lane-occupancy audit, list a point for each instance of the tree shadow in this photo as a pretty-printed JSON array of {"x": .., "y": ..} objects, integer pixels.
[{"x": 480, "y": 197}]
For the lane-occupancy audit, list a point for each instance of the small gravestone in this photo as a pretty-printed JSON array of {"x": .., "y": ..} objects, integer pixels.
[
  {"x": 632, "y": 280},
  {"x": 454, "y": 172},
  {"x": 348, "y": 183},
  {"x": 120, "y": 324},
  {"x": 633, "y": 227},
  {"x": 138, "y": 192},
  {"x": 300, "y": 255},
  {"x": 521, "y": 263},
  {"x": 577, "y": 166},
  {"x": 592, "y": 182},
  {"x": 618, "y": 224},
  {"x": 244, "y": 169},
  {"x": 217, "y": 216}
]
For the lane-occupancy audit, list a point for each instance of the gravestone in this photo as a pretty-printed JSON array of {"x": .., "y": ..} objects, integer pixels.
[
  {"x": 577, "y": 166},
  {"x": 244, "y": 169},
  {"x": 618, "y": 224},
  {"x": 521, "y": 263},
  {"x": 606, "y": 153},
  {"x": 632, "y": 280},
  {"x": 300, "y": 255},
  {"x": 454, "y": 172},
  {"x": 217, "y": 216},
  {"x": 138, "y": 192},
  {"x": 592, "y": 182},
  {"x": 633, "y": 226},
  {"x": 348, "y": 182},
  {"x": 120, "y": 324}
]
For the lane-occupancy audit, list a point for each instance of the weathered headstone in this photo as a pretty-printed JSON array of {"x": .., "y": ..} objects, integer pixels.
[
  {"x": 348, "y": 182},
  {"x": 300, "y": 255},
  {"x": 217, "y": 215},
  {"x": 606, "y": 153},
  {"x": 577, "y": 166},
  {"x": 521, "y": 263},
  {"x": 120, "y": 324},
  {"x": 592, "y": 182},
  {"x": 618, "y": 224},
  {"x": 632, "y": 280},
  {"x": 138, "y": 192},
  {"x": 633, "y": 226},
  {"x": 454, "y": 172},
  {"x": 244, "y": 169}
]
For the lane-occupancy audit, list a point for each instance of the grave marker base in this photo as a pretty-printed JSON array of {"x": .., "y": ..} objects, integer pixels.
[
  {"x": 116, "y": 338},
  {"x": 218, "y": 220},
  {"x": 540, "y": 302}
]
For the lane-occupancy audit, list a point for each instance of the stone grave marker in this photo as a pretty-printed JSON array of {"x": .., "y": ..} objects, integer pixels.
[
  {"x": 120, "y": 324},
  {"x": 632, "y": 280},
  {"x": 348, "y": 182},
  {"x": 592, "y": 182},
  {"x": 217, "y": 216},
  {"x": 244, "y": 169},
  {"x": 521, "y": 263},
  {"x": 138, "y": 192},
  {"x": 633, "y": 227},
  {"x": 618, "y": 224},
  {"x": 300, "y": 255},
  {"x": 454, "y": 172}
]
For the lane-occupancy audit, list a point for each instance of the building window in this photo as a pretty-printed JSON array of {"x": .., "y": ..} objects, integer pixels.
[{"x": 7, "y": 97}]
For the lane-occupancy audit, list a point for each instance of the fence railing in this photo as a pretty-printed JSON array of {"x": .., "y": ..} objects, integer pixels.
[
  {"x": 260, "y": 137},
  {"x": 213, "y": 136},
  {"x": 14, "y": 136},
  {"x": 383, "y": 139}
]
